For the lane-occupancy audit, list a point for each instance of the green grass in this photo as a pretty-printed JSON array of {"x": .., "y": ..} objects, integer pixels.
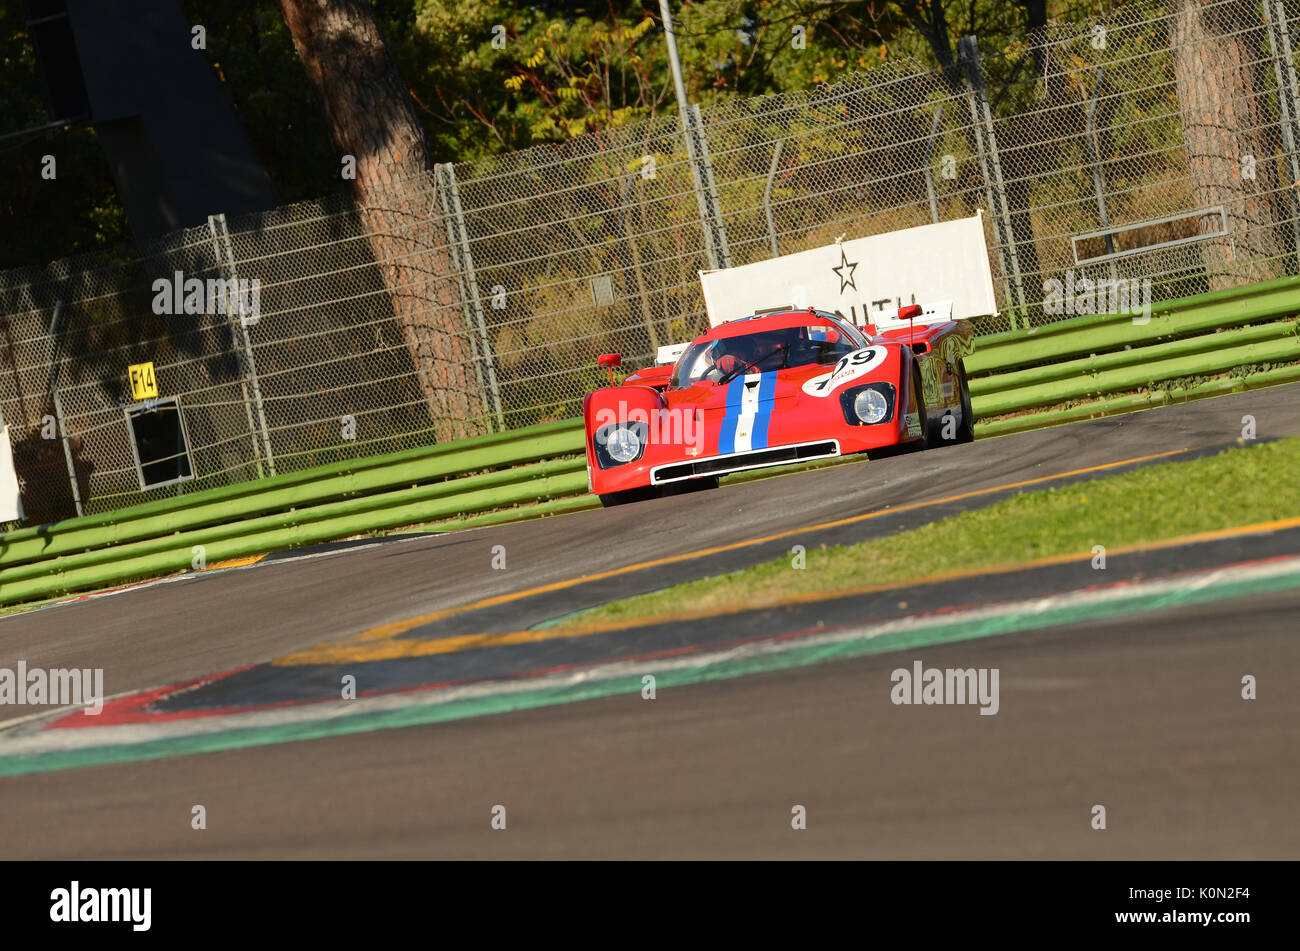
[{"x": 1236, "y": 487}]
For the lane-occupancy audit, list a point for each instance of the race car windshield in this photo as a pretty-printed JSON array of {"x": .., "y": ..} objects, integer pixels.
[{"x": 728, "y": 357}]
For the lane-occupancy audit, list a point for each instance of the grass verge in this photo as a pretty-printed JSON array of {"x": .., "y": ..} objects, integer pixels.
[{"x": 1237, "y": 487}]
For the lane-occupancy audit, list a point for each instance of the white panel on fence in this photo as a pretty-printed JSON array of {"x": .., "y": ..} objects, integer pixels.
[
  {"x": 11, "y": 502},
  {"x": 865, "y": 279}
]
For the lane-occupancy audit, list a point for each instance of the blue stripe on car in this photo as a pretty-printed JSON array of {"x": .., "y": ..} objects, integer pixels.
[
  {"x": 766, "y": 400},
  {"x": 727, "y": 434}
]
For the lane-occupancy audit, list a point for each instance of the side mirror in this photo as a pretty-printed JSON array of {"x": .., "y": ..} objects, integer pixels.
[
  {"x": 870, "y": 330},
  {"x": 910, "y": 312},
  {"x": 610, "y": 360}
]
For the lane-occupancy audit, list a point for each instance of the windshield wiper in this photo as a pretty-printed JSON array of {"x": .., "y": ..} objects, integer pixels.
[{"x": 732, "y": 374}]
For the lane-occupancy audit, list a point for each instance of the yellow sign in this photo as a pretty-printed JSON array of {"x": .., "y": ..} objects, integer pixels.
[{"x": 144, "y": 385}]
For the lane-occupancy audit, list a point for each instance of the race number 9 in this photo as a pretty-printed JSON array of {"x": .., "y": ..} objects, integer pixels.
[
  {"x": 858, "y": 358},
  {"x": 850, "y": 367}
]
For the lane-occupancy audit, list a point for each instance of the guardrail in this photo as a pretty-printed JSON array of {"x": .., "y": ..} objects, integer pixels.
[
  {"x": 1089, "y": 358},
  {"x": 1180, "y": 317},
  {"x": 301, "y": 508}
]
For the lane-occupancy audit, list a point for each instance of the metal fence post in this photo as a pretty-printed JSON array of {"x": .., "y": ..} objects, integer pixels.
[
  {"x": 767, "y": 196},
  {"x": 715, "y": 238},
  {"x": 471, "y": 302},
  {"x": 929, "y": 167},
  {"x": 712, "y": 206},
  {"x": 987, "y": 145},
  {"x": 701, "y": 198},
  {"x": 239, "y": 328},
  {"x": 1094, "y": 158},
  {"x": 219, "y": 256},
  {"x": 55, "y": 356},
  {"x": 1279, "y": 43}
]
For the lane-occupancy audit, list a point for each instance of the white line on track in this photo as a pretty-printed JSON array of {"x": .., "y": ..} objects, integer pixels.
[{"x": 30, "y": 738}]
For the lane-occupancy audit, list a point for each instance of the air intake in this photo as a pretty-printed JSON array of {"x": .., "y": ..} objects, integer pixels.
[{"x": 739, "y": 461}]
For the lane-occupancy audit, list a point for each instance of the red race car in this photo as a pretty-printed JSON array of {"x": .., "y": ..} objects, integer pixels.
[{"x": 773, "y": 389}]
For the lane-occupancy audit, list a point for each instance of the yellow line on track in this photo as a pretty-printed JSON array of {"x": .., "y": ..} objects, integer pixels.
[
  {"x": 397, "y": 649},
  {"x": 234, "y": 563},
  {"x": 363, "y": 647}
]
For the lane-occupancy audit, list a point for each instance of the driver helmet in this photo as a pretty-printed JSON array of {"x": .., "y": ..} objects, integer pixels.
[{"x": 732, "y": 355}]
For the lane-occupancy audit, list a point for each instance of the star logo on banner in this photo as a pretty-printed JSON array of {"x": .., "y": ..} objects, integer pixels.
[{"x": 845, "y": 271}]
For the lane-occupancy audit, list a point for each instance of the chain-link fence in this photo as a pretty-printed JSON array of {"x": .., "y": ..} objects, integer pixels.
[{"x": 1156, "y": 147}]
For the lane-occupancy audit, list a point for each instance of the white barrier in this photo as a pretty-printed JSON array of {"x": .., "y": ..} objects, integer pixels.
[{"x": 866, "y": 279}]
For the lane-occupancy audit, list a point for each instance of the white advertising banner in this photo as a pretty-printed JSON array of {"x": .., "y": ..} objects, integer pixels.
[
  {"x": 11, "y": 502},
  {"x": 866, "y": 279}
]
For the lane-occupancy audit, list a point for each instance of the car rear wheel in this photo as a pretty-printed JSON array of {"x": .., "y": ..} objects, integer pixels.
[
  {"x": 917, "y": 405},
  {"x": 944, "y": 431},
  {"x": 966, "y": 431}
]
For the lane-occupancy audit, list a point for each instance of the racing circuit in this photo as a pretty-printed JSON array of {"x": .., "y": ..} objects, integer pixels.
[{"x": 1123, "y": 691}]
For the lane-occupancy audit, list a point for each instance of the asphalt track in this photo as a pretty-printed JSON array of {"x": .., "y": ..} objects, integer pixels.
[{"x": 1142, "y": 716}]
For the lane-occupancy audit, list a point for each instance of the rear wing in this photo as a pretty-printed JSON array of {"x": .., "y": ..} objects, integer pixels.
[
  {"x": 888, "y": 319},
  {"x": 943, "y": 267}
]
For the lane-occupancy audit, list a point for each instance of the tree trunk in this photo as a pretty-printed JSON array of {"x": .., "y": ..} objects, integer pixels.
[
  {"x": 1224, "y": 132},
  {"x": 369, "y": 114}
]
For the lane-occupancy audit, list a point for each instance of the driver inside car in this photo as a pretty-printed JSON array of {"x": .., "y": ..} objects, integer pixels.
[
  {"x": 739, "y": 355},
  {"x": 750, "y": 354}
]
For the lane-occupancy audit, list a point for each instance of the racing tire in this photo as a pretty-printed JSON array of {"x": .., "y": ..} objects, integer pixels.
[
  {"x": 918, "y": 392},
  {"x": 641, "y": 494},
  {"x": 966, "y": 431}
]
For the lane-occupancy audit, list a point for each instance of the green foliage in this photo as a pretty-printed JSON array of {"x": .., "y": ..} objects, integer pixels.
[
  {"x": 42, "y": 219},
  {"x": 490, "y": 76},
  {"x": 252, "y": 56},
  {"x": 547, "y": 73}
]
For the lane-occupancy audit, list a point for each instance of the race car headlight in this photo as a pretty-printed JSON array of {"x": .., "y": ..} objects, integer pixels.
[
  {"x": 620, "y": 443},
  {"x": 868, "y": 405},
  {"x": 623, "y": 445}
]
